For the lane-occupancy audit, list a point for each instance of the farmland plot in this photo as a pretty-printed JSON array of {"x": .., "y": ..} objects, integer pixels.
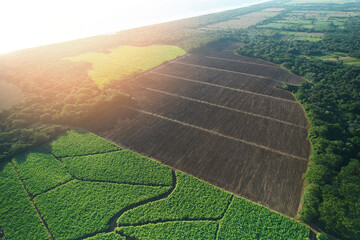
[
  {"x": 219, "y": 117},
  {"x": 120, "y": 195},
  {"x": 244, "y": 21}
]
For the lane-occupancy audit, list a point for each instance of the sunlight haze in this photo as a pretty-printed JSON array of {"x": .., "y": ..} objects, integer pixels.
[{"x": 26, "y": 24}]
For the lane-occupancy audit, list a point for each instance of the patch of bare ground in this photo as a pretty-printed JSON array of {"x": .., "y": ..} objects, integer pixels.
[{"x": 221, "y": 119}]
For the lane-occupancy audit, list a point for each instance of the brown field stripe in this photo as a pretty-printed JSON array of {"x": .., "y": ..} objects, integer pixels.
[
  {"x": 241, "y": 73},
  {"x": 216, "y": 133},
  {"x": 221, "y": 86},
  {"x": 239, "y": 61},
  {"x": 227, "y": 108}
]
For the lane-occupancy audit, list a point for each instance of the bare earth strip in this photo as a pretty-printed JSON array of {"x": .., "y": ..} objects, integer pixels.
[
  {"x": 233, "y": 80},
  {"x": 221, "y": 121},
  {"x": 269, "y": 107},
  {"x": 279, "y": 75},
  {"x": 234, "y": 89},
  {"x": 258, "y": 131},
  {"x": 231, "y": 109}
]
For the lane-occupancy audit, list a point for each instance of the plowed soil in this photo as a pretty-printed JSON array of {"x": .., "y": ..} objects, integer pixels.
[{"x": 220, "y": 118}]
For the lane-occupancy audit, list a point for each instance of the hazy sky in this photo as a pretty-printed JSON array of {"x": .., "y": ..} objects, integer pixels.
[{"x": 28, "y": 23}]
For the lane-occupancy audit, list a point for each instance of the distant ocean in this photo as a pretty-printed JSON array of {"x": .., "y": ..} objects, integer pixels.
[{"x": 42, "y": 22}]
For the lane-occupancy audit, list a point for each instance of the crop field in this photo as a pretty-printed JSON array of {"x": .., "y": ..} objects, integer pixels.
[
  {"x": 125, "y": 60},
  {"x": 309, "y": 21},
  {"x": 219, "y": 117},
  {"x": 246, "y": 20},
  {"x": 302, "y": 36},
  {"x": 337, "y": 56},
  {"x": 9, "y": 94},
  {"x": 294, "y": 2},
  {"x": 120, "y": 195}
]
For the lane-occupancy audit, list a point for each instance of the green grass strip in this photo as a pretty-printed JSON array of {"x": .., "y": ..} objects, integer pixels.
[
  {"x": 246, "y": 220},
  {"x": 122, "y": 167},
  {"x": 80, "y": 142},
  {"x": 78, "y": 208},
  {"x": 191, "y": 199},
  {"x": 40, "y": 171},
  {"x": 107, "y": 236},
  {"x": 172, "y": 230},
  {"x": 18, "y": 218}
]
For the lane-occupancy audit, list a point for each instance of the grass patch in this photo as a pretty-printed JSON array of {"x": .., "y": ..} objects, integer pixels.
[
  {"x": 352, "y": 62},
  {"x": 195, "y": 201},
  {"x": 337, "y": 56},
  {"x": 79, "y": 208},
  {"x": 295, "y": 21},
  {"x": 123, "y": 167},
  {"x": 40, "y": 171},
  {"x": 319, "y": 1},
  {"x": 275, "y": 25},
  {"x": 125, "y": 60},
  {"x": 246, "y": 220},
  {"x": 172, "y": 230},
  {"x": 311, "y": 39},
  {"x": 191, "y": 199},
  {"x": 107, "y": 236},
  {"x": 18, "y": 217},
  {"x": 80, "y": 142}
]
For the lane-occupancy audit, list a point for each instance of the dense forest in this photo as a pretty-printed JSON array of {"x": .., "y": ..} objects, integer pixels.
[{"x": 331, "y": 100}]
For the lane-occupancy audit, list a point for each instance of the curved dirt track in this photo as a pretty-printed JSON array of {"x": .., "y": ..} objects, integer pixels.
[{"x": 219, "y": 117}]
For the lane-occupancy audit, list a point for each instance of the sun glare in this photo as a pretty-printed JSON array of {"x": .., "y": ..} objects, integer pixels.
[
  {"x": 32, "y": 23},
  {"x": 26, "y": 23}
]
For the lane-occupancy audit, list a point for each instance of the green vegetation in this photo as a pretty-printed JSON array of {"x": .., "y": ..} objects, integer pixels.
[
  {"x": 80, "y": 142},
  {"x": 331, "y": 102},
  {"x": 337, "y": 57},
  {"x": 15, "y": 137},
  {"x": 311, "y": 39},
  {"x": 80, "y": 208},
  {"x": 9, "y": 95},
  {"x": 320, "y": 1},
  {"x": 191, "y": 199},
  {"x": 197, "y": 203},
  {"x": 40, "y": 171},
  {"x": 90, "y": 203},
  {"x": 125, "y": 60},
  {"x": 107, "y": 236},
  {"x": 18, "y": 217},
  {"x": 172, "y": 230},
  {"x": 123, "y": 167},
  {"x": 246, "y": 220}
]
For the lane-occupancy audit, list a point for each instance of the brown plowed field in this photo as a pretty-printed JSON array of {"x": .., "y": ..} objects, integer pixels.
[{"x": 227, "y": 127}]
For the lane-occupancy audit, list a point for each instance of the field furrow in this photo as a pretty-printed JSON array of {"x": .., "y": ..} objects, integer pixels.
[
  {"x": 260, "y": 132},
  {"x": 240, "y": 61},
  {"x": 277, "y": 74},
  {"x": 227, "y": 69},
  {"x": 228, "y": 108},
  {"x": 264, "y": 86},
  {"x": 287, "y": 111},
  {"x": 220, "y": 86}
]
